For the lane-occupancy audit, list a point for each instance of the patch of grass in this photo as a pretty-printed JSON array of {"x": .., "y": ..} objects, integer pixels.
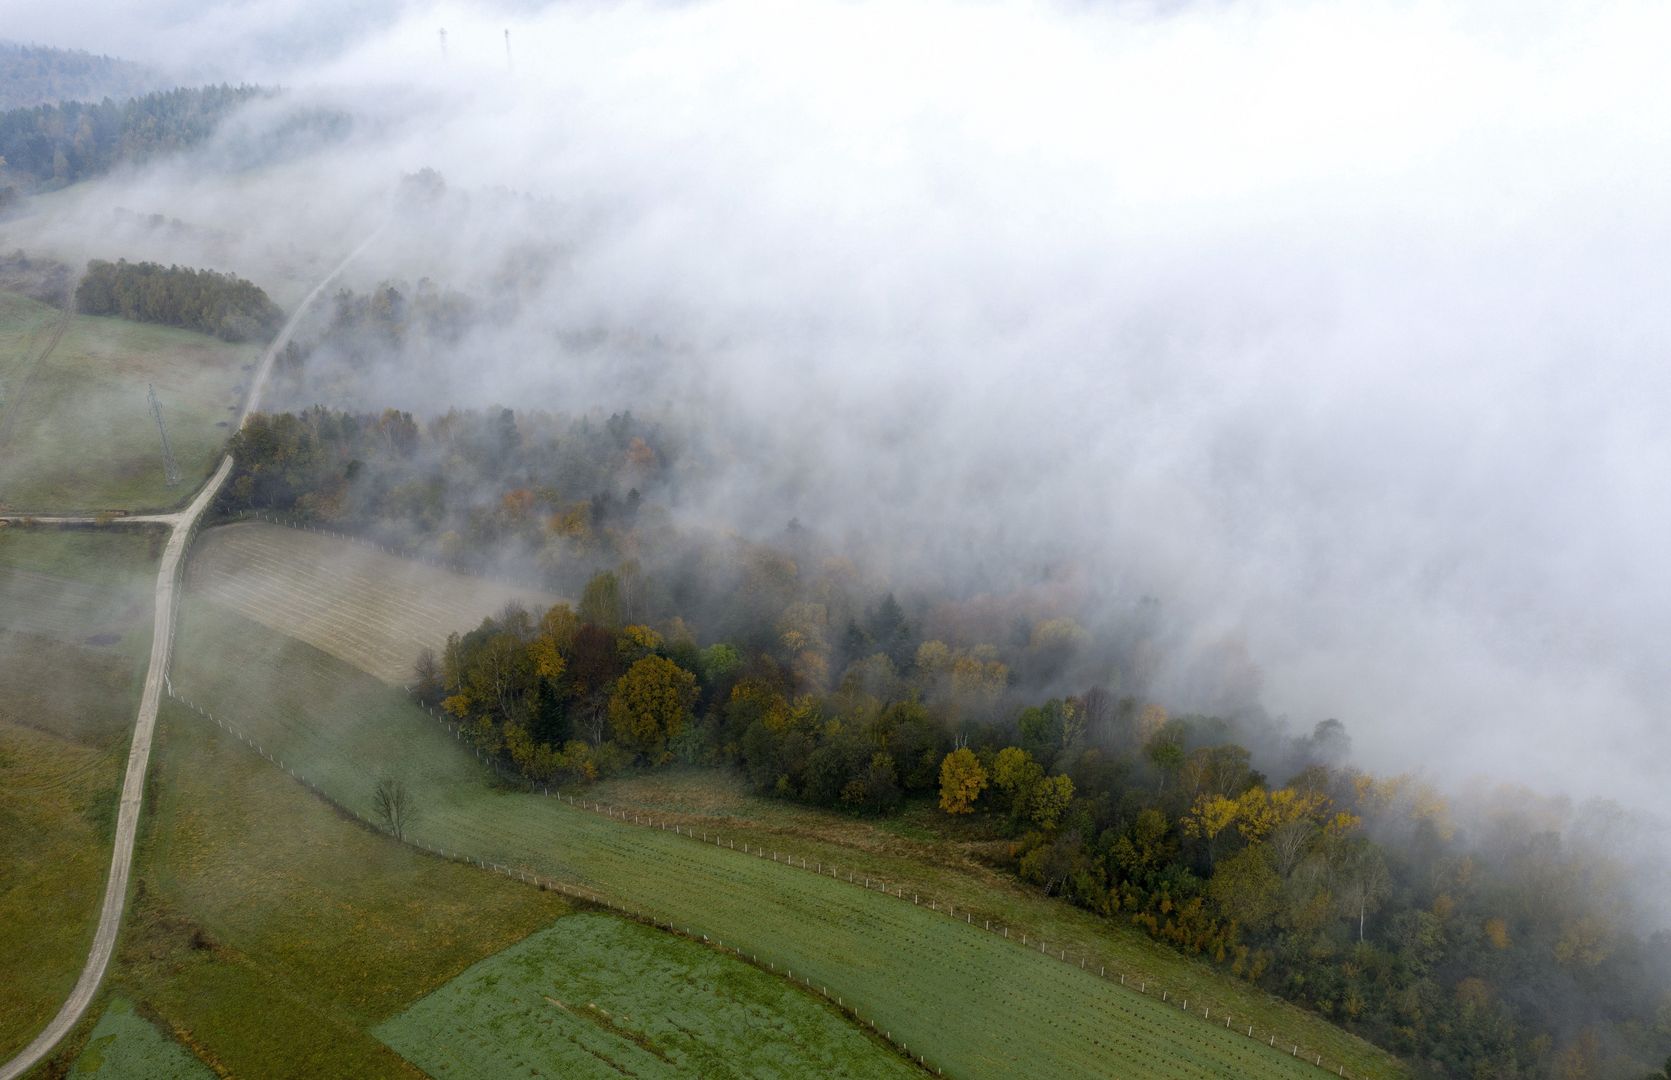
[
  {"x": 126, "y": 1046},
  {"x": 79, "y": 432},
  {"x": 66, "y": 710},
  {"x": 598, "y": 996},
  {"x": 75, "y": 627},
  {"x": 974, "y": 1003},
  {"x": 114, "y": 557}
]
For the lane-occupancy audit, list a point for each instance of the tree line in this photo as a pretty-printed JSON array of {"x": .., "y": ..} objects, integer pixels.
[
  {"x": 545, "y": 495},
  {"x": 1506, "y": 954},
  {"x": 224, "y": 305}
]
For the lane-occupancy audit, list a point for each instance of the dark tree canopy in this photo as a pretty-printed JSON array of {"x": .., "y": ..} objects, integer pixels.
[{"x": 228, "y": 307}]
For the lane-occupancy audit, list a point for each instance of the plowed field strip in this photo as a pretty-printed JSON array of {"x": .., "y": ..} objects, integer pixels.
[{"x": 371, "y": 609}]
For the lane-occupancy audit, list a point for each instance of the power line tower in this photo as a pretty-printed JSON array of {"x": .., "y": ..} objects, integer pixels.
[
  {"x": 443, "y": 43},
  {"x": 170, "y": 468},
  {"x": 509, "y": 66}
]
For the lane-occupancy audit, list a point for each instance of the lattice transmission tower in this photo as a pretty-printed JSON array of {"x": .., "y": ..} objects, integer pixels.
[{"x": 170, "y": 466}]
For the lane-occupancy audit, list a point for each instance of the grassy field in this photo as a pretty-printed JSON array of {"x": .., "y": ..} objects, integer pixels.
[
  {"x": 599, "y": 996},
  {"x": 76, "y": 432},
  {"x": 924, "y": 852},
  {"x": 271, "y": 934},
  {"x": 75, "y": 628},
  {"x": 126, "y": 1046},
  {"x": 372, "y": 609},
  {"x": 973, "y": 1002}
]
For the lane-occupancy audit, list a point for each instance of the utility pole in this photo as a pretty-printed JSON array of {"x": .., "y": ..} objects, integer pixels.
[{"x": 170, "y": 468}]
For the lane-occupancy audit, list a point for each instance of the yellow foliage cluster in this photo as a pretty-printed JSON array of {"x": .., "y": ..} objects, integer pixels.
[
  {"x": 1256, "y": 813},
  {"x": 961, "y": 781},
  {"x": 637, "y": 642}
]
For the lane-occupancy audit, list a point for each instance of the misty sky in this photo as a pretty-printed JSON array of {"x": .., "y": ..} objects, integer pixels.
[{"x": 1343, "y": 332}]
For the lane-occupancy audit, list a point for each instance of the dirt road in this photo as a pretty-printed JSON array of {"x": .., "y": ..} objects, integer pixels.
[{"x": 181, "y": 526}]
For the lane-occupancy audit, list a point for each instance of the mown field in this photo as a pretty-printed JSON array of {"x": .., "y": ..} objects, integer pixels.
[
  {"x": 372, "y": 609},
  {"x": 600, "y": 996},
  {"x": 971, "y": 1002},
  {"x": 126, "y": 1046},
  {"x": 75, "y": 628},
  {"x": 76, "y": 432}
]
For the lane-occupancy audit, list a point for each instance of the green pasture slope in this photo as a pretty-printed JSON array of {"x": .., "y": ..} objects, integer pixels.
[
  {"x": 76, "y": 432},
  {"x": 969, "y": 1001},
  {"x": 126, "y": 1046},
  {"x": 595, "y": 995},
  {"x": 75, "y": 628},
  {"x": 277, "y": 937},
  {"x": 924, "y": 851}
]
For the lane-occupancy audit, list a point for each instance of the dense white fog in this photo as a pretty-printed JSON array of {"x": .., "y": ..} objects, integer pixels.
[{"x": 1340, "y": 331}]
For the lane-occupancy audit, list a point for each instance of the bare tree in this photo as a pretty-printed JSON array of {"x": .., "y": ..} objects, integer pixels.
[
  {"x": 1361, "y": 881},
  {"x": 1098, "y": 708},
  {"x": 427, "y": 672},
  {"x": 1290, "y": 843},
  {"x": 395, "y": 806}
]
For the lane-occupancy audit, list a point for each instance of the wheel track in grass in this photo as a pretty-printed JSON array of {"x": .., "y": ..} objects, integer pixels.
[{"x": 8, "y": 418}]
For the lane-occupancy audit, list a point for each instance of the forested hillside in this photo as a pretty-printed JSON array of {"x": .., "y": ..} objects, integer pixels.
[
  {"x": 49, "y": 146},
  {"x": 35, "y": 75}
]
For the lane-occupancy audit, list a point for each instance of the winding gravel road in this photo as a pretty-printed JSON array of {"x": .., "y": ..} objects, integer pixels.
[{"x": 181, "y": 525}]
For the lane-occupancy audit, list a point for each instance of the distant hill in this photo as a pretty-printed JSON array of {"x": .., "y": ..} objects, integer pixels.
[{"x": 36, "y": 75}]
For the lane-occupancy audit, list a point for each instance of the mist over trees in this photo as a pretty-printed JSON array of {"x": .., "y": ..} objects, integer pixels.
[
  {"x": 35, "y": 75},
  {"x": 50, "y": 146},
  {"x": 1488, "y": 940}
]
